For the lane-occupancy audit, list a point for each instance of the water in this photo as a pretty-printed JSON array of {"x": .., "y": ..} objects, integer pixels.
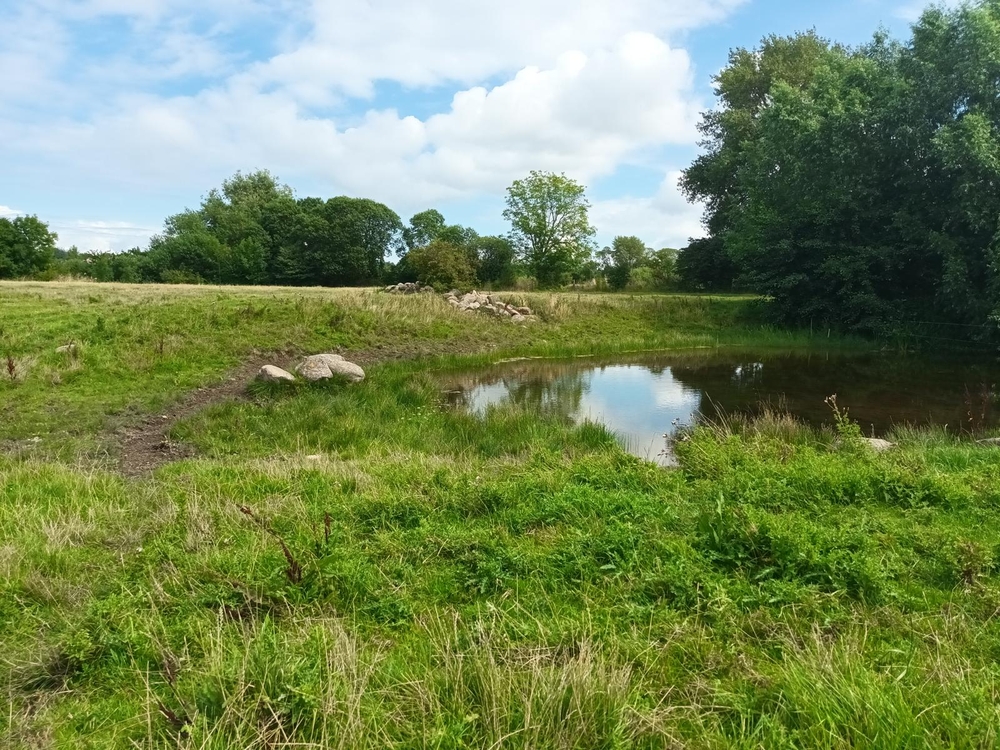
[{"x": 645, "y": 399}]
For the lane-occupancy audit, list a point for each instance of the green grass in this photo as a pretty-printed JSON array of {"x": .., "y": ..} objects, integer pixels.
[{"x": 353, "y": 566}]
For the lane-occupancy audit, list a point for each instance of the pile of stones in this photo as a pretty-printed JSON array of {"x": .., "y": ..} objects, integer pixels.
[
  {"x": 489, "y": 304},
  {"x": 316, "y": 367},
  {"x": 410, "y": 287}
]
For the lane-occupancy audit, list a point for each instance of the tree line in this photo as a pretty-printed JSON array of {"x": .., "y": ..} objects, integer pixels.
[
  {"x": 253, "y": 230},
  {"x": 859, "y": 187}
]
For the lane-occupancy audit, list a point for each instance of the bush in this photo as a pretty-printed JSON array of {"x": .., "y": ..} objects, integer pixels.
[
  {"x": 442, "y": 265},
  {"x": 641, "y": 279}
]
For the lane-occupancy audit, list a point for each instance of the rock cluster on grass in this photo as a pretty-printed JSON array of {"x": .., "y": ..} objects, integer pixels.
[
  {"x": 410, "y": 287},
  {"x": 490, "y": 304},
  {"x": 316, "y": 367}
]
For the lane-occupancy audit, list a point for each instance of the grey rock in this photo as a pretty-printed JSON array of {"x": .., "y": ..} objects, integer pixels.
[
  {"x": 272, "y": 374},
  {"x": 326, "y": 366},
  {"x": 66, "y": 349}
]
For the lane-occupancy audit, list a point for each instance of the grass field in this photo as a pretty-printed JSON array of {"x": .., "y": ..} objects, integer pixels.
[{"x": 355, "y": 567}]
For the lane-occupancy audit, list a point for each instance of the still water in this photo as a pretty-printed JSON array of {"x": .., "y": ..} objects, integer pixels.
[{"x": 645, "y": 399}]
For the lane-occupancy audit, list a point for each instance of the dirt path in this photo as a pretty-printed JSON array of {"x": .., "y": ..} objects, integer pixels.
[{"x": 145, "y": 445}]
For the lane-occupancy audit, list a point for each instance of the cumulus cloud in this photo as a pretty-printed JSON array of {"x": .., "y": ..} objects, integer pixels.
[
  {"x": 584, "y": 115},
  {"x": 8, "y": 213},
  {"x": 565, "y": 85},
  {"x": 665, "y": 219}
]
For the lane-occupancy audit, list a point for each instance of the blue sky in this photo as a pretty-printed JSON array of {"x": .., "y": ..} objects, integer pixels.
[{"x": 116, "y": 113}]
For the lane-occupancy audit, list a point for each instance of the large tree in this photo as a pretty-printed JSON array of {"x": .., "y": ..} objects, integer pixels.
[
  {"x": 27, "y": 246},
  {"x": 866, "y": 195},
  {"x": 550, "y": 225},
  {"x": 745, "y": 89}
]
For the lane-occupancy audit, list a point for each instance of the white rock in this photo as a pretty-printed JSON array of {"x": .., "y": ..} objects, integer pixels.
[
  {"x": 272, "y": 374},
  {"x": 66, "y": 349}
]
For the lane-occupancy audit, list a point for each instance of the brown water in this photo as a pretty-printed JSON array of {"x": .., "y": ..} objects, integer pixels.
[{"x": 645, "y": 399}]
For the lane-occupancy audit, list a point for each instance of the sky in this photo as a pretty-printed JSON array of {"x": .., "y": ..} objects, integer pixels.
[{"x": 117, "y": 113}]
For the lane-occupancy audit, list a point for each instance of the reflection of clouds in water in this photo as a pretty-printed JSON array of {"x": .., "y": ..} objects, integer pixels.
[
  {"x": 638, "y": 405},
  {"x": 641, "y": 400}
]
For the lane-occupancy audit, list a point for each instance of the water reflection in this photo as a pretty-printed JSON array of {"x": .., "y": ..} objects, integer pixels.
[{"x": 645, "y": 398}]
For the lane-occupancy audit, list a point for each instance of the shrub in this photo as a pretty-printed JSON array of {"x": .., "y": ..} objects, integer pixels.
[{"x": 442, "y": 264}]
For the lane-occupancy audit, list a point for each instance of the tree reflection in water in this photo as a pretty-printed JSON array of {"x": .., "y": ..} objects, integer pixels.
[{"x": 644, "y": 397}]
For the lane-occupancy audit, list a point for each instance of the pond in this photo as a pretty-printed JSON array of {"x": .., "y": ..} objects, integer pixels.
[{"x": 646, "y": 398}]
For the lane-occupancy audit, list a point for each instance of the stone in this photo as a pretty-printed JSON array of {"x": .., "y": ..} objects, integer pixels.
[
  {"x": 272, "y": 374},
  {"x": 66, "y": 349},
  {"x": 879, "y": 445},
  {"x": 326, "y": 366},
  {"x": 523, "y": 310},
  {"x": 995, "y": 442},
  {"x": 517, "y": 318}
]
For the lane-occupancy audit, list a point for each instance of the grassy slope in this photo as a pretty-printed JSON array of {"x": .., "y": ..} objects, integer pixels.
[{"x": 433, "y": 580}]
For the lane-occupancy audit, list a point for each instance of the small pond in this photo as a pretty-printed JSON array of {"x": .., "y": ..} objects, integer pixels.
[{"x": 645, "y": 398}]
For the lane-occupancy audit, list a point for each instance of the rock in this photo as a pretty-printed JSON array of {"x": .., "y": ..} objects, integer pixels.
[
  {"x": 517, "y": 318},
  {"x": 66, "y": 349},
  {"x": 326, "y": 366},
  {"x": 523, "y": 310},
  {"x": 879, "y": 445},
  {"x": 995, "y": 442},
  {"x": 272, "y": 374}
]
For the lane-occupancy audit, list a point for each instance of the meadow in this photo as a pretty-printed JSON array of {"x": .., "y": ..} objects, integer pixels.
[{"x": 354, "y": 566}]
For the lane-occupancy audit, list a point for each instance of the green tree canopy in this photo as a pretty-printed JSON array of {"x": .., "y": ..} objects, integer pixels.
[
  {"x": 619, "y": 260},
  {"x": 863, "y": 191},
  {"x": 27, "y": 246},
  {"x": 550, "y": 225},
  {"x": 443, "y": 265}
]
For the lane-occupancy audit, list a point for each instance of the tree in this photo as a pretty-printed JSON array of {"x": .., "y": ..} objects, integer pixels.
[
  {"x": 27, "y": 247},
  {"x": 188, "y": 252},
  {"x": 496, "y": 257},
  {"x": 423, "y": 228},
  {"x": 704, "y": 266},
  {"x": 550, "y": 225},
  {"x": 625, "y": 255},
  {"x": 442, "y": 265},
  {"x": 663, "y": 264},
  {"x": 744, "y": 88},
  {"x": 862, "y": 190}
]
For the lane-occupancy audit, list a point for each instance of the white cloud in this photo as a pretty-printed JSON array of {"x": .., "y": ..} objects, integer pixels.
[
  {"x": 665, "y": 219},
  {"x": 584, "y": 115},
  {"x": 427, "y": 42},
  {"x": 102, "y": 236},
  {"x": 8, "y": 213},
  {"x": 565, "y": 85}
]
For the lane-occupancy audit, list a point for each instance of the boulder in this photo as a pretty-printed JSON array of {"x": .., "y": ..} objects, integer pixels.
[
  {"x": 272, "y": 374},
  {"x": 326, "y": 366},
  {"x": 66, "y": 349}
]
